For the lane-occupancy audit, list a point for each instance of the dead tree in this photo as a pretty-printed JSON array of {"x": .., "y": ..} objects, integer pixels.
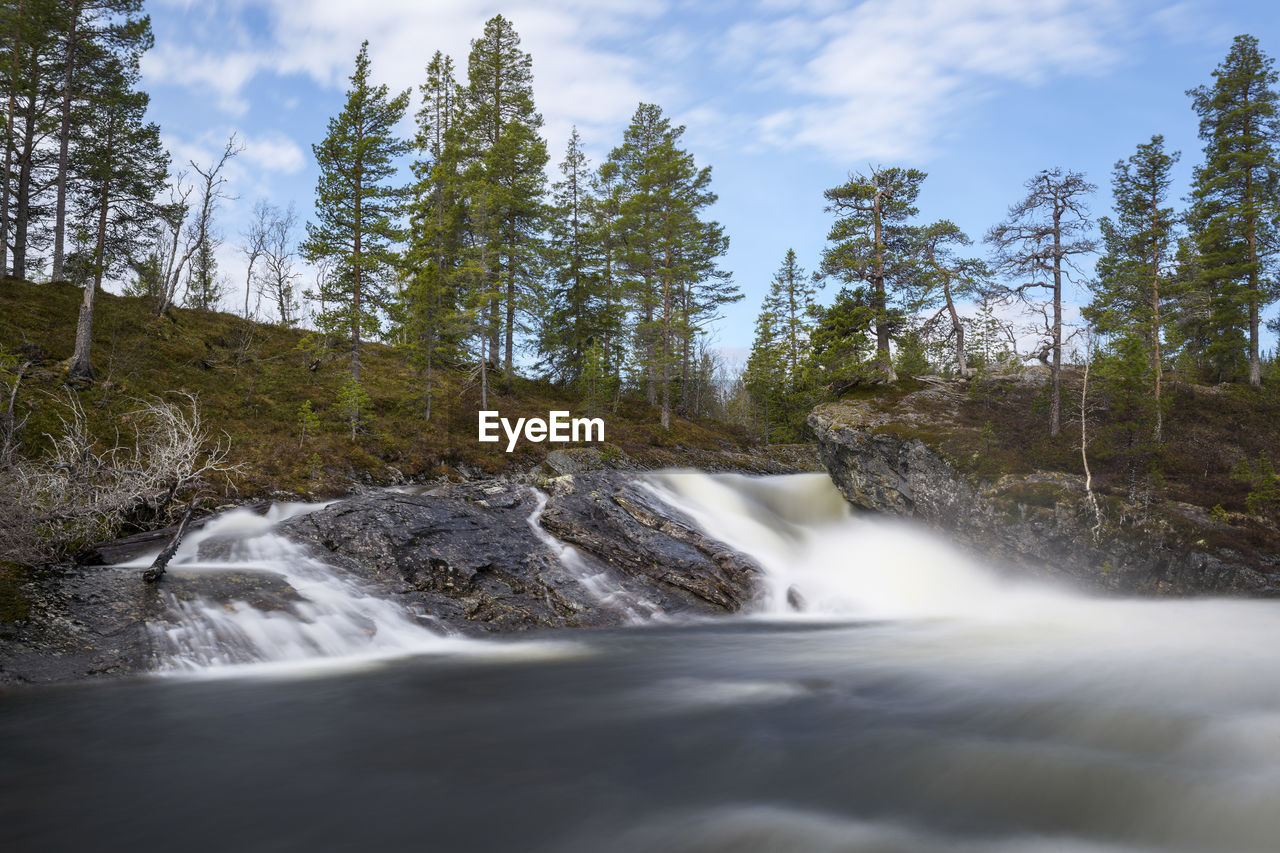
[{"x": 1035, "y": 249}]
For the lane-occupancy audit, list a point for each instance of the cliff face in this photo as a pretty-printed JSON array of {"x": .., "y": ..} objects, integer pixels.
[{"x": 888, "y": 456}]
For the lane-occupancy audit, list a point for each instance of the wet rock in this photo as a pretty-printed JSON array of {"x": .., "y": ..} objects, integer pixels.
[
  {"x": 1040, "y": 523},
  {"x": 92, "y": 621},
  {"x": 468, "y": 556}
]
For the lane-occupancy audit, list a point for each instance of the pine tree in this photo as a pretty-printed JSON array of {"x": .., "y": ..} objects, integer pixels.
[
  {"x": 945, "y": 277},
  {"x": 437, "y": 216},
  {"x": 357, "y": 209},
  {"x": 1235, "y": 203},
  {"x": 670, "y": 253},
  {"x": 870, "y": 242},
  {"x": 504, "y": 177},
  {"x": 1134, "y": 273},
  {"x": 124, "y": 166},
  {"x": 32, "y": 91},
  {"x": 1037, "y": 243},
  {"x": 91, "y": 31}
]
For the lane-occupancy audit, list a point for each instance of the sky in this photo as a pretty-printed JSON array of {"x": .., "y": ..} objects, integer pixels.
[{"x": 782, "y": 98}]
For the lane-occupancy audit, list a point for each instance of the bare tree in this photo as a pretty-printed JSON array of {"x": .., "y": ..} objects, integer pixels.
[
  {"x": 85, "y": 490},
  {"x": 254, "y": 239},
  {"x": 198, "y": 231},
  {"x": 1037, "y": 243},
  {"x": 278, "y": 275}
]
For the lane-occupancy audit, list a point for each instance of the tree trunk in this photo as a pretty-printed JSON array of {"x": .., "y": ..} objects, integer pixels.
[
  {"x": 161, "y": 562},
  {"x": 80, "y": 367},
  {"x": 22, "y": 214},
  {"x": 1157, "y": 366},
  {"x": 957, "y": 330},
  {"x": 8, "y": 145},
  {"x": 508, "y": 362},
  {"x": 882, "y": 327},
  {"x": 64, "y": 137},
  {"x": 1055, "y": 398}
]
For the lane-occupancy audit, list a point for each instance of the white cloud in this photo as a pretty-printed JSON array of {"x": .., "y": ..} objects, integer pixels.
[
  {"x": 275, "y": 152},
  {"x": 224, "y": 75},
  {"x": 887, "y": 76}
]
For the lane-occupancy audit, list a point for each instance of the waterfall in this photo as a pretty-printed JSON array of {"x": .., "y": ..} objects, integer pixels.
[{"x": 304, "y": 609}]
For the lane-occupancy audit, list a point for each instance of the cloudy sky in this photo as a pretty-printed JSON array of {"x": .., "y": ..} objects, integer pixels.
[{"x": 782, "y": 98}]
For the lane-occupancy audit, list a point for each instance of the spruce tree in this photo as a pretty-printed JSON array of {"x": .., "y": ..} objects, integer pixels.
[
  {"x": 357, "y": 210},
  {"x": 436, "y": 219},
  {"x": 124, "y": 166},
  {"x": 870, "y": 242},
  {"x": 1134, "y": 274},
  {"x": 1235, "y": 203},
  {"x": 569, "y": 325},
  {"x": 765, "y": 375}
]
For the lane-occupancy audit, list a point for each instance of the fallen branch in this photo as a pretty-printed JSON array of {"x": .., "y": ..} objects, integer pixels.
[{"x": 162, "y": 559}]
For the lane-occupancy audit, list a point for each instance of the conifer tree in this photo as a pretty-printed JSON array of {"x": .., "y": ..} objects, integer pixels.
[
  {"x": 870, "y": 242},
  {"x": 1135, "y": 271},
  {"x": 357, "y": 211},
  {"x": 124, "y": 165},
  {"x": 670, "y": 253},
  {"x": 569, "y": 325},
  {"x": 765, "y": 375},
  {"x": 436, "y": 220},
  {"x": 504, "y": 158},
  {"x": 1038, "y": 243},
  {"x": 1235, "y": 203},
  {"x": 90, "y": 31},
  {"x": 791, "y": 293},
  {"x": 945, "y": 277}
]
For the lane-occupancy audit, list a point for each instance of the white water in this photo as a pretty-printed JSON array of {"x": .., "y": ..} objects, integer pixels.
[
  {"x": 602, "y": 586},
  {"x": 946, "y": 615},
  {"x": 333, "y": 617}
]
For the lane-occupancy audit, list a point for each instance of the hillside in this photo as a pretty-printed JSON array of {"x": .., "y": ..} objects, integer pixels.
[{"x": 251, "y": 380}]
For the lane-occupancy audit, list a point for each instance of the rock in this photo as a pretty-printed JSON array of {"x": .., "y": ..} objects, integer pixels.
[
  {"x": 468, "y": 556},
  {"x": 1040, "y": 523},
  {"x": 92, "y": 621}
]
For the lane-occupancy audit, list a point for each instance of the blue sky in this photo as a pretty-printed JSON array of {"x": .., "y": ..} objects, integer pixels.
[{"x": 781, "y": 98}]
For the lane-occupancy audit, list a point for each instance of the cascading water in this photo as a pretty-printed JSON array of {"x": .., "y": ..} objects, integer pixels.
[
  {"x": 817, "y": 554},
  {"x": 317, "y": 614},
  {"x": 603, "y": 586}
]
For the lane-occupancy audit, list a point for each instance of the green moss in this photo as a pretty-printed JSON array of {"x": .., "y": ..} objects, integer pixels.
[{"x": 14, "y": 606}]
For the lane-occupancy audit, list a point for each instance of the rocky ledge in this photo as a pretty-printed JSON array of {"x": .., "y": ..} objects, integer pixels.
[
  {"x": 485, "y": 557},
  {"x": 595, "y": 548},
  {"x": 892, "y": 455}
]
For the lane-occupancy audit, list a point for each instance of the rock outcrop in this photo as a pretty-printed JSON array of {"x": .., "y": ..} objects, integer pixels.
[
  {"x": 475, "y": 556},
  {"x": 885, "y": 456},
  {"x": 596, "y": 548}
]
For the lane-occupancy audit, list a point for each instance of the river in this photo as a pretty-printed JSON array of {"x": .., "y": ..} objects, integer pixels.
[{"x": 920, "y": 702}]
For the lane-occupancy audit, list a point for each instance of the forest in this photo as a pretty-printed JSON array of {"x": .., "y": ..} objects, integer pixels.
[{"x": 479, "y": 261}]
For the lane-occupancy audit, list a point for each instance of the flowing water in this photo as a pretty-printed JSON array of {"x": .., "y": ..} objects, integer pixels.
[{"x": 918, "y": 702}]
